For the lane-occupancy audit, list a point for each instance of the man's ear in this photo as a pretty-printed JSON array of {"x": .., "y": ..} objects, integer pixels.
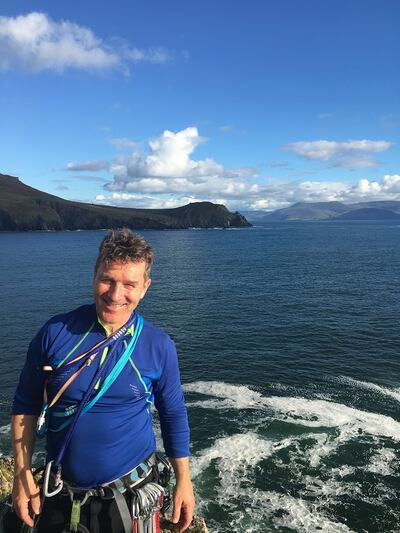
[{"x": 147, "y": 284}]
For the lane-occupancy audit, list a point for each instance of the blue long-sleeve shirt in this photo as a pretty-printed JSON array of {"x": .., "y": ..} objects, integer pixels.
[{"x": 116, "y": 434}]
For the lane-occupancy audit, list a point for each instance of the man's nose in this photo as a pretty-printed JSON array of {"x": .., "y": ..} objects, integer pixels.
[{"x": 115, "y": 291}]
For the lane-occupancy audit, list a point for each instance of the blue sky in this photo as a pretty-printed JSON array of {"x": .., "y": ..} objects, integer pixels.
[{"x": 255, "y": 104}]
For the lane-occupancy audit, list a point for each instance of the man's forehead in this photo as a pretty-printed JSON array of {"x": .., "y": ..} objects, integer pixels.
[{"x": 129, "y": 266}]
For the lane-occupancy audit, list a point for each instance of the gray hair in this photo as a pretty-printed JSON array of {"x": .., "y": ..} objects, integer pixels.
[{"x": 123, "y": 246}]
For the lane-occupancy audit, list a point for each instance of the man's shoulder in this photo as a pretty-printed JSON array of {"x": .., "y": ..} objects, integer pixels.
[{"x": 82, "y": 314}]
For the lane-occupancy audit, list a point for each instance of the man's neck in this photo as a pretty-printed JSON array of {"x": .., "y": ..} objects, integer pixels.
[{"x": 108, "y": 328}]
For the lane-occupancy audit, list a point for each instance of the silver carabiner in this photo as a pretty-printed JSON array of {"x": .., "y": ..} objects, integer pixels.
[{"x": 46, "y": 480}]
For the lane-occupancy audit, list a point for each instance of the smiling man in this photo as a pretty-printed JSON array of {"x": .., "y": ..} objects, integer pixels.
[{"x": 91, "y": 377}]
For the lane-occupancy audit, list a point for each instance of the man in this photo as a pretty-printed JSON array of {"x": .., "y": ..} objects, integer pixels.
[{"x": 115, "y": 434}]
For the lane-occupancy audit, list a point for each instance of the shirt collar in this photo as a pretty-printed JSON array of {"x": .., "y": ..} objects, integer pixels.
[{"x": 129, "y": 331}]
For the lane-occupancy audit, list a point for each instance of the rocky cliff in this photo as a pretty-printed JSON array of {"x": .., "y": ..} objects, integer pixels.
[{"x": 23, "y": 208}]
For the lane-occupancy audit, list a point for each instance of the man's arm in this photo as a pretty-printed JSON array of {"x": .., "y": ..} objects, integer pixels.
[
  {"x": 170, "y": 404},
  {"x": 183, "y": 501},
  {"x": 25, "y": 493}
]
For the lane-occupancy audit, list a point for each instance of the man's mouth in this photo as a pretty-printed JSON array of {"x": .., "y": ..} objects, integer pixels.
[{"x": 115, "y": 306}]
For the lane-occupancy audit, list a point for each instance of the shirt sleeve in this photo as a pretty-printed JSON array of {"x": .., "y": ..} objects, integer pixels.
[
  {"x": 29, "y": 394},
  {"x": 170, "y": 404}
]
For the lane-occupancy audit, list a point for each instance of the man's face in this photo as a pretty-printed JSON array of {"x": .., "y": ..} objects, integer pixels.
[{"x": 118, "y": 289}]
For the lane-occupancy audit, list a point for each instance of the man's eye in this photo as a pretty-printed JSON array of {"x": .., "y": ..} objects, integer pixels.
[{"x": 130, "y": 286}]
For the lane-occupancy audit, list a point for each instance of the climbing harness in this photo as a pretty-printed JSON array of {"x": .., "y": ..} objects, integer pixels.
[{"x": 139, "y": 497}]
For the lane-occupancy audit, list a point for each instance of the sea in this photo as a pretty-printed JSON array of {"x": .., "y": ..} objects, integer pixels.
[{"x": 288, "y": 339}]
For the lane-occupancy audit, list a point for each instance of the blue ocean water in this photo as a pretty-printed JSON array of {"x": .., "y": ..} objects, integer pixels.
[{"x": 289, "y": 350}]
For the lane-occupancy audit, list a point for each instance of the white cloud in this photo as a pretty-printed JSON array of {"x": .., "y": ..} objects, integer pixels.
[
  {"x": 122, "y": 143},
  {"x": 152, "y": 55},
  {"x": 386, "y": 189},
  {"x": 169, "y": 168},
  {"x": 148, "y": 202},
  {"x": 88, "y": 165},
  {"x": 355, "y": 162},
  {"x": 35, "y": 42},
  {"x": 349, "y": 154}
]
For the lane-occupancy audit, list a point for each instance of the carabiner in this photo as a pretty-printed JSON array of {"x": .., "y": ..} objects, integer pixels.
[{"x": 46, "y": 480}]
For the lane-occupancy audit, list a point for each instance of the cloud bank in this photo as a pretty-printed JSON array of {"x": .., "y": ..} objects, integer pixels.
[
  {"x": 35, "y": 42},
  {"x": 349, "y": 154},
  {"x": 168, "y": 175},
  {"x": 269, "y": 197},
  {"x": 280, "y": 195}
]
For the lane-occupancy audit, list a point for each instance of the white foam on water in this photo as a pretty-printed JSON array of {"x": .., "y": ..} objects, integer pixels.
[
  {"x": 324, "y": 446},
  {"x": 236, "y": 458},
  {"x": 384, "y": 462},
  {"x": 235, "y": 453},
  {"x": 5, "y": 430},
  {"x": 39, "y": 458},
  {"x": 302, "y": 516},
  {"x": 229, "y": 396},
  {"x": 321, "y": 413},
  {"x": 367, "y": 385},
  {"x": 343, "y": 471},
  {"x": 330, "y": 489},
  {"x": 289, "y": 512},
  {"x": 310, "y": 413},
  {"x": 280, "y": 386}
]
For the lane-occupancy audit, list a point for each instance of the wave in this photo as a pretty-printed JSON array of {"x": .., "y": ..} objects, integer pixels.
[
  {"x": 367, "y": 385},
  {"x": 310, "y": 413},
  {"x": 240, "y": 451}
]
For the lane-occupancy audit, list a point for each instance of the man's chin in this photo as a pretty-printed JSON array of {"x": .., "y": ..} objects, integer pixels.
[{"x": 114, "y": 317}]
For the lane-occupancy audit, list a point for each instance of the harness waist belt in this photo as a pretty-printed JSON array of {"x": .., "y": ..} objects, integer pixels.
[
  {"x": 127, "y": 481},
  {"x": 135, "y": 476}
]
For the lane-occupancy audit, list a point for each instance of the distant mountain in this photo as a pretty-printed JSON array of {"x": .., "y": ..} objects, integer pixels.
[
  {"x": 23, "y": 208},
  {"x": 254, "y": 216},
  {"x": 307, "y": 211},
  {"x": 371, "y": 213}
]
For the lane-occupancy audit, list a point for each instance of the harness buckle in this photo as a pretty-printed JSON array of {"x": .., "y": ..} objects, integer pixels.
[{"x": 46, "y": 480}]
